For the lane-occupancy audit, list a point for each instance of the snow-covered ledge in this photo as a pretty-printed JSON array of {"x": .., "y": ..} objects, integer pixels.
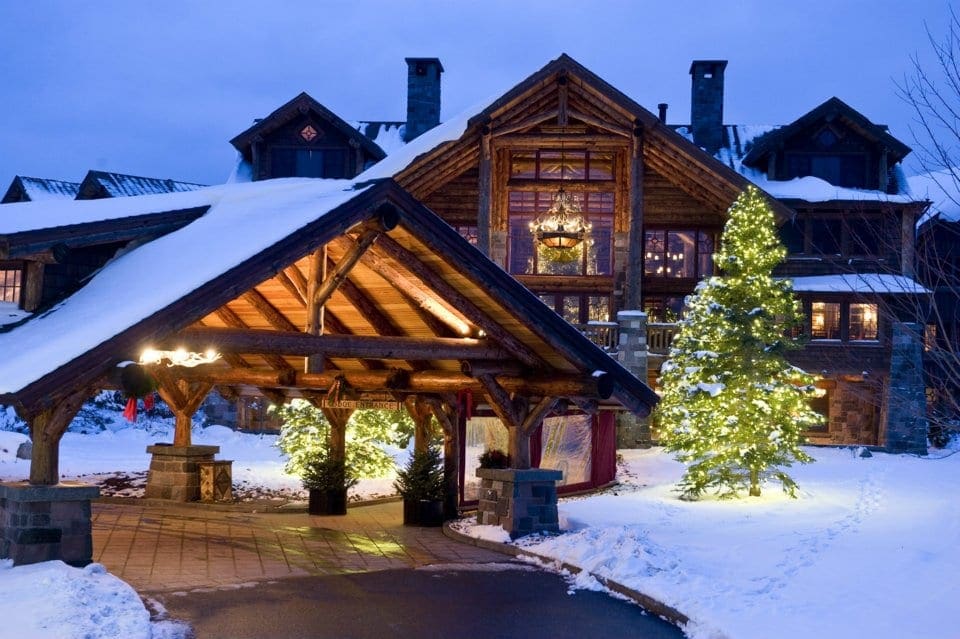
[{"x": 522, "y": 501}]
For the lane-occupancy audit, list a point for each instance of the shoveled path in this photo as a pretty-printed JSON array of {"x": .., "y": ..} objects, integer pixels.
[{"x": 165, "y": 547}]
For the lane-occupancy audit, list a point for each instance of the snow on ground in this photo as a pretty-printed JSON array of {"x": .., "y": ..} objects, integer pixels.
[
  {"x": 116, "y": 459},
  {"x": 869, "y": 549},
  {"x": 51, "y": 600}
]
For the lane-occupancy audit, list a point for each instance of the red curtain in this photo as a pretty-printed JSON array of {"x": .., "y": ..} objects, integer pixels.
[{"x": 604, "y": 467}]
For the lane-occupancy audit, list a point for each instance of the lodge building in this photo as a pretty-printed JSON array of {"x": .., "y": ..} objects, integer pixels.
[{"x": 599, "y": 207}]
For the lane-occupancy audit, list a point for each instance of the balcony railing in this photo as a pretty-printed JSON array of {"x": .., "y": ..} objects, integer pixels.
[
  {"x": 606, "y": 335},
  {"x": 659, "y": 336}
]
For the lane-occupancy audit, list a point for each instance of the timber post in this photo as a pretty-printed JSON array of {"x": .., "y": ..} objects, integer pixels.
[
  {"x": 422, "y": 415},
  {"x": 447, "y": 412},
  {"x": 174, "y": 472},
  {"x": 44, "y": 519},
  {"x": 337, "y": 441}
]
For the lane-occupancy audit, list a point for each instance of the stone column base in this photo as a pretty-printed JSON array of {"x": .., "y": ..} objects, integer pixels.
[
  {"x": 174, "y": 471},
  {"x": 521, "y": 501},
  {"x": 42, "y": 523}
]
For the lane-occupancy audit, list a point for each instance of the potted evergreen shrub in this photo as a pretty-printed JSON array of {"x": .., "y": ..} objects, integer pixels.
[
  {"x": 422, "y": 486},
  {"x": 327, "y": 480}
]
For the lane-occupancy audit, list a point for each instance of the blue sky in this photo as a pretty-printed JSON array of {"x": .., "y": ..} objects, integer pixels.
[{"x": 158, "y": 89}]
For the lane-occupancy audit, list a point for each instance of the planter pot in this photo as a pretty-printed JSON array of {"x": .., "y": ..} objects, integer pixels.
[
  {"x": 328, "y": 502},
  {"x": 422, "y": 512}
]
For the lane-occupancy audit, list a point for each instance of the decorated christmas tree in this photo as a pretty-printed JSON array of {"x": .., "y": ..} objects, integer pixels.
[{"x": 733, "y": 409}]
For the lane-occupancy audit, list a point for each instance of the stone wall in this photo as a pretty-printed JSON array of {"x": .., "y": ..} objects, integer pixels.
[
  {"x": 42, "y": 523},
  {"x": 174, "y": 471},
  {"x": 520, "y": 501}
]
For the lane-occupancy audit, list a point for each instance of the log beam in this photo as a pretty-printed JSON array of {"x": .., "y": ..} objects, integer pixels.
[
  {"x": 255, "y": 342},
  {"x": 635, "y": 241},
  {"x": 436, "y": 381},
  {"x": 337, "y": 442}
]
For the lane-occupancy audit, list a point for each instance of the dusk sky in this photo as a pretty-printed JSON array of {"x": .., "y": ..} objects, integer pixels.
[{"x": 158, "y": 89}]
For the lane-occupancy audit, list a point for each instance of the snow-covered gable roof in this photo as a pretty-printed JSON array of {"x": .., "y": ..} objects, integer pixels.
[
  {"x": 33, "y": 189},
  {"x": 876, "y": 283},
  {"x": 168, "y": 268},
  {"x": 739, "y": 140},
  {"x": 102, "y": 184},
  {"x": 302, "y": 103}
]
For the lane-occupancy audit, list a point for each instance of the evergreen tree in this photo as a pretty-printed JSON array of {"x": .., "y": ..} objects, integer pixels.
[{"x": 733, "y": 409}]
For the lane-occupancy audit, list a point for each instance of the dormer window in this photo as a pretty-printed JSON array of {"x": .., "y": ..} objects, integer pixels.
[
  {"x": 839, "y": 169},
  {"x": 11, "y": 279}
]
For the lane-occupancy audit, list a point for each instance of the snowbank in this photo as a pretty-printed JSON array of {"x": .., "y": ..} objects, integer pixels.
[
  {"x": 51, "y": 600},
  {"x": 868, "y": 550}
]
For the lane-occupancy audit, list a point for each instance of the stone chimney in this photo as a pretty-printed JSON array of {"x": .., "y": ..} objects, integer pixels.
[
  {"x": 662, "y": 108},
  {"x": 423, "y": 95},
  {"x": 706, "y": 103}
]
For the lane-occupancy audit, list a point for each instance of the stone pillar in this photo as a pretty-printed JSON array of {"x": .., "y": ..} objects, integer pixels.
[
  {"x": 498, "y": 248},
  {"x": 521, "y": 501},
  {"x": 906, "y": 414},
  {"x": 633, "y": 431},
  {"x": 175, "y": 472},
  {"x": 41, "y": 523}
]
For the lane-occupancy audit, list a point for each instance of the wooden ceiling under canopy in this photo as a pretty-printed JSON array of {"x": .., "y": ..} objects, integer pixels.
[{"x": 379, "y": 296}]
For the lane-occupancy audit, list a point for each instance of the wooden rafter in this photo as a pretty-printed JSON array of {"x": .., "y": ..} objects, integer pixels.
[
  {"x": 268, "y": 311},
  {"x": 390, "y": 248}
]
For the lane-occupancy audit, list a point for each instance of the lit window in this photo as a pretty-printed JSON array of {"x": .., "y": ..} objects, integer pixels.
[
  {"x": 825, "y": 320},
  {"x": 863, "y": 322},
  {"x": 10, "y": 279},
  {"x": 561, "y": 165},
  {"x": 678, "y": 254}
]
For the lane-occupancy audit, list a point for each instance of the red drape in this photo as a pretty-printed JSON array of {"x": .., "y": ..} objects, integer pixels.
[{"x": 604, "y": 467}]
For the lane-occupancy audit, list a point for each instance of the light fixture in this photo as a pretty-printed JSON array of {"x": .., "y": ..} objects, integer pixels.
[
  {"x": 179, "y": 357},
  {"x": 562, "y": 226}
]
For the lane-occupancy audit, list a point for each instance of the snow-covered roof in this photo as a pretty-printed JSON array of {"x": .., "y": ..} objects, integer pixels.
[
  {"x": 942, "y": 188},
  {"x": 740, "y": 139},
  {"x": 243, "y": 220},
  {"x": 120, "y": 185},
  {"x": 30, "y": 216},
  {"x": 881, "y": 283},
  {"x": 37, "y": 189}
]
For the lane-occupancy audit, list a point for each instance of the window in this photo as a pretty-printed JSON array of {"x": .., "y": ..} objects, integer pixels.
[
  {"x": 856, "y": 234},
  {"x": 839, "y": 169},
  {"x": 863, "y": 322},
  {"x": 10, "y": 283},
  {"x": 825, "y": 320},
  {"x": 678, "y": 254},
  {"x": 561, "y": 165},
  {"x": 820, "y": 403},
  {"x": 593, "y": 256},
  {"x": 847, "y": 321},
  {"x": 317, "y": 163}
]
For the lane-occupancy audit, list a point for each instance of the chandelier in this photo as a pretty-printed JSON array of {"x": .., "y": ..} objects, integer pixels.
[{"x": 562, "y": 226}]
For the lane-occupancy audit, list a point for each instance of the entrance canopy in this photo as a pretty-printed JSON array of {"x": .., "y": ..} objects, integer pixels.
[{"x": 303, "y": 285}]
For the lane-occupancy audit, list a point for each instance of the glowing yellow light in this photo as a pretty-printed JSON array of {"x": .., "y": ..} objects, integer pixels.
[{"x": 179, "y": 357}]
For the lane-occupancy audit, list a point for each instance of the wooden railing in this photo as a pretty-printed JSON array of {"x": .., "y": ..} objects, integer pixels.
[
  {"x": 606, "y": 335},
  {"x": 659, "y": 336}
]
